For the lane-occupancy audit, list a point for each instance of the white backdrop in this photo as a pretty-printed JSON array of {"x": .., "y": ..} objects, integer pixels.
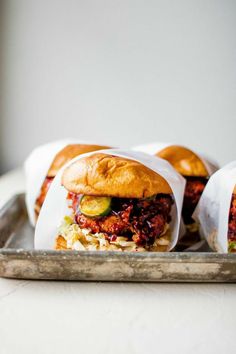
[{"x": 120, "y": 72}]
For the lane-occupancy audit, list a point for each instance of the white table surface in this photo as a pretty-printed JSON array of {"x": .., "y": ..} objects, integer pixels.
[{"x": 73, "y": 317}]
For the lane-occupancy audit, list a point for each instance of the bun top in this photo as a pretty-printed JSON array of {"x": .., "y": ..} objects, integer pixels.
[
  {"x": 234, "y": 191},
  {"x": 108, "y": 175},
  {"x": 68, "y": 153},
  {"x": 185, "y": 161}
]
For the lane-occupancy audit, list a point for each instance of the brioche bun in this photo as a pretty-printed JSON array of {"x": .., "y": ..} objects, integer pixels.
[
  {"x": 234, "y": 189},
  {"x": 185, "y": 161},
  {"x": 108, "y": 175},
  {"x": 68, "y": 153}
]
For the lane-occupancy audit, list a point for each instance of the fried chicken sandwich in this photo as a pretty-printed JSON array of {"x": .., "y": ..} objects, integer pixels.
[{"x": 115, "y": 203}]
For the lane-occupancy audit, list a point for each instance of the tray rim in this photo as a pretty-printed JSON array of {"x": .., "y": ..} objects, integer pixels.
[{"x": 173, "y": 257}]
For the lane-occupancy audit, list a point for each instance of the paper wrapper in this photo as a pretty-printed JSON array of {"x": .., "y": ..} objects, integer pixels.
[
  {"x": 36, "y": 167},
  {"x": 55, "y": 206},
  {"x": 212, "y": 212},
  {"x": 153, "y": 148}
]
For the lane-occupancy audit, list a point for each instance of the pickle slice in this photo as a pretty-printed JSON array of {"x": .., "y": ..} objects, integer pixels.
[{"x": 95, "y": 206}]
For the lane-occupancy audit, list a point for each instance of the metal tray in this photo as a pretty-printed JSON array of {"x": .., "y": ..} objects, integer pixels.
[{"x": 18, "y": 259}]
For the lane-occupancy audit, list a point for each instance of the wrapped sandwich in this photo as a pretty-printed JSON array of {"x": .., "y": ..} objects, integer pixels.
[
  {"x": 195, "y": 169},
  {"x": 42, "y": 166},
  {"x": 216, "y": 210},
  {"x": 113, "y": 200}
]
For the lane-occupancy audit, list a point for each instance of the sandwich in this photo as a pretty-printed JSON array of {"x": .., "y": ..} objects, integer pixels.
[
  {"x": 216, "y": 210},
  {"x": 115, "y": 203},
  {"x": 62, "y": 157},
  {"x": 193, "y": 169}
]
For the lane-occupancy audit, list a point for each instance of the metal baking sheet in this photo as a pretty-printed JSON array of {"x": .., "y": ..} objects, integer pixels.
[{"x": 18, "y": 259}]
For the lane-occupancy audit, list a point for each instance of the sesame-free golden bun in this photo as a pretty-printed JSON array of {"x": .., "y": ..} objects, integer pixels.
[
  {"x": 184, "y": 160},
  {"x": 68, "y": 153},
  {"x": 101, "y": 174}
]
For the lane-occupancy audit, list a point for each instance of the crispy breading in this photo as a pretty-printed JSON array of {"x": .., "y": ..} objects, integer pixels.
[{"x": 60, "y": 243}]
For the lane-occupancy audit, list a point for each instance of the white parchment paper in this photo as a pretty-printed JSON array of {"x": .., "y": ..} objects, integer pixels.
[
  {"x": 212, "y": 211},
  {"x": 55, "y": 206},
  {"x": 36, "y": 167}
]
